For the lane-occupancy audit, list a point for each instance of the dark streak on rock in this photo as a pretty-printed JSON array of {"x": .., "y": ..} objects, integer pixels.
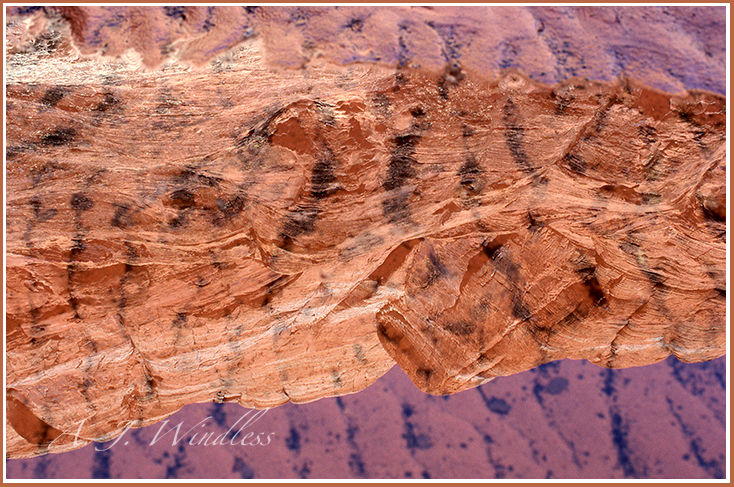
[
  {"x": 72, "y": 300},
  {"x": 460, "y": 328},
  {"x": 416, "y": 441},
  {"x": 355, "y": 24},
  {"x": 716, "y": 469},
  {"x": 53, "y": 96},
  {"x": 470, "y": 174},
  {"x": 400, "y": 80},
  {"x": 182, "y": 198},
  {"x": 383, "y": 332},
  {"x": 539, "y": 180},
  {"x": 110, "y": 103},
  {"x": 208, "y": 24},
  {"x": 241, "y": 468},
  {"x": 507, "y": 267},
  {"x": 648, "y": 134},
  {"x": 417, "y": 111},
  {"x": 576, "y": 163},
  {"x": 12, "y": 152},
  {"x": 654, "y": 277},
  {"x": 491, "y": 248},
  {"x": 180, "y": 320},
  {"x": 495, "y": 404},
  {"x": 178, "y": 221},
  {"x": 39, "y": 213},
  {"x": 175, "y": 12},
  {"x": 534, "y": 225},
  {"x": 443, "y": 90},
  {"x": 28, "y": 10},
  {"x": 403, "y": 54},
  {"x": 600, "y": 118},
  {"x": 452, "y": 75},
  {"x": 519, "y": 308},
  {"x": 300, "y": 221},
  {"x": 435, "y": 269},
  {"x": 190, "y": 176},
  {"x": 401, "y": 167},
  {"x": 698, "y": 135},
  {"x": 41, "y": 173},
  {"x": 273, "y": 288},
  {"x": 229, "y": 208},
  {"x": 101, "y": 463},
  {"x": 323, "y": 176},
  {"x": 381, "y": 102},
  {"x": 122, "y": 218},
  {"x": 424, "y": 373},
  {"x": 80, "y": 202},
  {"x": 396, "y": 208},
  {"x": 293, "y": 441},
  {"x": 591, "y": 283},
  {"x": 515, "y": 137},
  {"x": 630, "y": 248},
  {"x": 619, "y": 438},
  {"x": 77, "y": 246},
  {"x": 47, "y": 42},
  {"x": 58, "y": 137},
  {"x": 323, "y": 185},
  {"x": 715, "y": 212},
  {"x": 652, "y": 171}
]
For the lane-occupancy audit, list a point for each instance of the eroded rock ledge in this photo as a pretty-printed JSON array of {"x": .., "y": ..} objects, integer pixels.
[{"x": 234, "y": 233}]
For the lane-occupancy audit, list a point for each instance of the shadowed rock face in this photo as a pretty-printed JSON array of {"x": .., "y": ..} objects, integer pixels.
[
  {"x": 671, "y": 48},
  {"x": 240, "y": 234}
]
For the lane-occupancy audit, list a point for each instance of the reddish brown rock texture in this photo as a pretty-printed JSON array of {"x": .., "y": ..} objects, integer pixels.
[{"x": 235, "y": 233}]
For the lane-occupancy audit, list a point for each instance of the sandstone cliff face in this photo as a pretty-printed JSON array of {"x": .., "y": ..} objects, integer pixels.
[{"x": 232, "y": 232}]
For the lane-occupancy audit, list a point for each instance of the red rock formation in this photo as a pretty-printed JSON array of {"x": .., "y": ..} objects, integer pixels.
[{"x": 240, "y": 234}]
